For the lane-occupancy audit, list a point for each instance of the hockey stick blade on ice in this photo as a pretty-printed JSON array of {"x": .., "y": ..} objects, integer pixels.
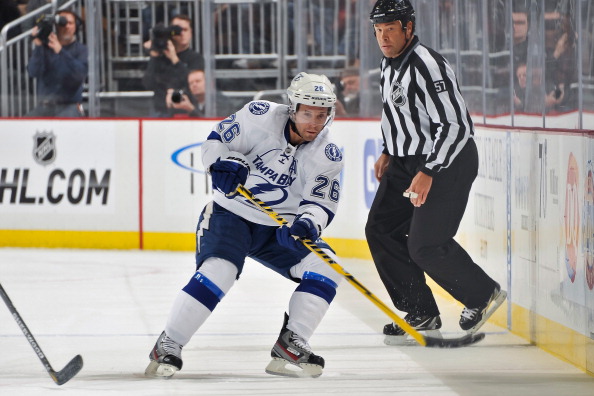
[
  {"x": 425, "y": 341},
  {"x": 59, "y": 377}
]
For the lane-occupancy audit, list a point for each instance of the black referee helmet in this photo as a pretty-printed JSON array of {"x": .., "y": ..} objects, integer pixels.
[{"x": 392, "y": 10}]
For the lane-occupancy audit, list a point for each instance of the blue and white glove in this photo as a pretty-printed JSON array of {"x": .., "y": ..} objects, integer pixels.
[
  {"x": 302, "y": 228},
  {"x": 228, "y": 172}
]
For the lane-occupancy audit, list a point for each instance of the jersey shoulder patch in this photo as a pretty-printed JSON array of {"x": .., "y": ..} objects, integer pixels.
[
  {"x": 333, "y": 152},
  {"x": 259, "y": 108}
]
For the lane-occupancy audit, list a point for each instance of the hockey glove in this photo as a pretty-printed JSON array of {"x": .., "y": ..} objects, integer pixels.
[
  {"x": 301, "y": 228},
  {"x": 228, "y": 172}
]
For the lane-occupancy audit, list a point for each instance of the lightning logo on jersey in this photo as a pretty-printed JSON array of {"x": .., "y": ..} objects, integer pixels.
[{"x": 259, "y": 108}]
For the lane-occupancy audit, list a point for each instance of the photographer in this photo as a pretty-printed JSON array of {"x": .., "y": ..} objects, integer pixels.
[
  {"x": 170, "y": 61},
  {"x": 347, "y": 104},
  {"x": 60, "y": 64},
  {"x": 193, "y": 103}
]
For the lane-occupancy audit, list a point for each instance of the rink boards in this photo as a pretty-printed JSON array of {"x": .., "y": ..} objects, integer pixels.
[{"x": 128, "y": 184}]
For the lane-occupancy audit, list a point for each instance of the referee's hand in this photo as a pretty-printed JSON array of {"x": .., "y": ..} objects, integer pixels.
[
  {"x": 380, "y": 166},
  {"x": 421, "y": 184}
]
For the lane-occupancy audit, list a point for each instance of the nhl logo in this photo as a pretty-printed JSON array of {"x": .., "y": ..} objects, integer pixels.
[
  {"x": 398, "y": 95},
  {"x": 44, "y": 148}
]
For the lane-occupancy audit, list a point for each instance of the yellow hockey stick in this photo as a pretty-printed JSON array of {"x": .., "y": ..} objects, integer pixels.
[{"x": 420, "y": 338}]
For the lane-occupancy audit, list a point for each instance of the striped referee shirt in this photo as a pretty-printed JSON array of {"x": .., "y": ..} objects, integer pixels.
[{"x": 423, "y": 109}]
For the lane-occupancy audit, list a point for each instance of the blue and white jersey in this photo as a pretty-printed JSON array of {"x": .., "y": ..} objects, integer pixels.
[{"x": 291, "y": 180}]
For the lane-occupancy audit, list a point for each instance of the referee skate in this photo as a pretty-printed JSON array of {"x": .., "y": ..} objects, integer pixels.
[
  {"x": 472, "y": 319},
  {"x": 430, "y": 325}
]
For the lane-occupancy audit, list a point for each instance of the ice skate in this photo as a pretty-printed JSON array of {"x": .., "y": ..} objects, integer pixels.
[
  {"x": 293, "y": 357},
  {"x": 430, "y": 325},
  {"x": 165, "y": 358},
  {"x": 472, "y": 319}
]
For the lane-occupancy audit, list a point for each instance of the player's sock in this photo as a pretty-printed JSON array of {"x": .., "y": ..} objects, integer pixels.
[
  {"x": 309, "y": 303},
  {"x": 196, "y": 301},
  {"x": 192, "y": 306}
]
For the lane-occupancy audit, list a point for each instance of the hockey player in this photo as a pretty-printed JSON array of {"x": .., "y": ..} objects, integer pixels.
[
  {"x": 284, "y": 155},
  {"x": 430, "y": 156}
]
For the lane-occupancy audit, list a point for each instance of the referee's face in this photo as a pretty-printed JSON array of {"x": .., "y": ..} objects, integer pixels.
[{"x": 391, "y": 39}]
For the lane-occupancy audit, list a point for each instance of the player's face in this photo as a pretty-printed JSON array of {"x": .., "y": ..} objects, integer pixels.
[
  {"x": 309, "y": 121},
  {"x": 390, "y": 37}
]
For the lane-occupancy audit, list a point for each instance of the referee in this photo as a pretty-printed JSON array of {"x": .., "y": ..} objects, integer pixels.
[{"x": 426, "y": 170}]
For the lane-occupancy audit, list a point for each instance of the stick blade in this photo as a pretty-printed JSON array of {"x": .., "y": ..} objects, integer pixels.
[
  {"x": 69, "y": 371},
  {"x": 468, "y": 339}
]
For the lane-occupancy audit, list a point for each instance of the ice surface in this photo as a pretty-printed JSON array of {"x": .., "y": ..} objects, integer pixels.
[{"x": 110, "y": 306}]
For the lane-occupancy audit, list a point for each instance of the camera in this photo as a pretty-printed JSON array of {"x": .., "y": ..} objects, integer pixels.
[
  {"x": 45, "y": 25},
  {"x": 176, "y": 96},
  {"x": 162, "y": 34}
]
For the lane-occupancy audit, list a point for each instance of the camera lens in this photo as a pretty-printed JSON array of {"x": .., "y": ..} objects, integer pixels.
[
  {"x": 176, "y": 96},
  {"x": 60, "y": 20}
]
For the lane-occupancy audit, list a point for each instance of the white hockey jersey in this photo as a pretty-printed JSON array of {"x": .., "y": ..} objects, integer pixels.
[{"x": 291, "y": 180}]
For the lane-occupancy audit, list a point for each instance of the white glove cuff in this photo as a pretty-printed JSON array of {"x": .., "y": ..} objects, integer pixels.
[{"x": 316, "y": 215}]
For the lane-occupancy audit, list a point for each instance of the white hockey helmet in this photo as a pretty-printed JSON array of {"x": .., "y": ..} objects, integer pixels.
[{"x": 312, "y": 90}]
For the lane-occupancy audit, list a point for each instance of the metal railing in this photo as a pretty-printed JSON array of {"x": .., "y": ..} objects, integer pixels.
[
  {"x": 17, "y": 88},
  {"x": 258, "y": 45}
]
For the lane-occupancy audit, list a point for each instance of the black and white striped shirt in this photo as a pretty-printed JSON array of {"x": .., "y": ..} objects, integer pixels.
[{"x": 423, "y": 109}]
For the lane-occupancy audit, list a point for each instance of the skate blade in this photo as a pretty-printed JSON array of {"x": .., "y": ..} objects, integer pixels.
[
  {"x": 278, "y": 366},
  {"x": 159, "y": 370},
  {"x": 492, "y": 308},
  {"x": 405, "y": 339}
]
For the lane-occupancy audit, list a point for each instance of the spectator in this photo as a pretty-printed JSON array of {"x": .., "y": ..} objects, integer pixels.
[
  {"x": 168, "y": 67},
  {"x": 528, "y": 98},
  {"x": 520, "y": 87},
  {"x": 520, "y": 36},
  {"x": 60, "y": 65},
  {"x": 194, "y": 103},
  {"x": 160, "y": 10},
  {"x": 560, "y": 60},
  {"x": 348, "y": 89}
]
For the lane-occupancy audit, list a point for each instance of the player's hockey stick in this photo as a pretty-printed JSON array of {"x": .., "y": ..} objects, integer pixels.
[
  {"x": 60, "y": 377},
  {"x": 420, "y": 338}
]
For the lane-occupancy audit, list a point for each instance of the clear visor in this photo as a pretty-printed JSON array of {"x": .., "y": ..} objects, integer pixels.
[{"x": 313, "y": 117}]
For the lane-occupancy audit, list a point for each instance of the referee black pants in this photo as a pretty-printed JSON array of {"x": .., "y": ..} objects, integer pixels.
[{"x": 406, "y": 242}]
